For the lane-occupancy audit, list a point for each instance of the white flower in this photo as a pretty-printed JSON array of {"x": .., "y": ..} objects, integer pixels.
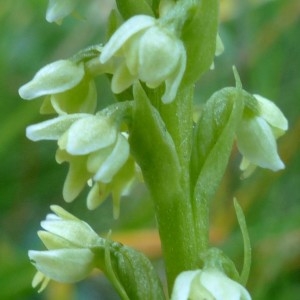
[
  {"x": 209, "y": 284},
  {"x": 95, "y": 150},
  {"x": 65, "y": 86},
  {"x": 151, "y": 52},
  {"x": 68, "y": 240},
  {"x": 257, "y": 134}
]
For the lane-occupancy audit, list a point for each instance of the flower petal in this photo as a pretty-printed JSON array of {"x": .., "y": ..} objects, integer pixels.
[
  {"x": 122, "y": 79},
  {"x": 78, "y": 233},
  {"x": 123, "y": 33},
  {"x": 97, "y": 195},
  {"x": 80, "y": 99},
  {"x": 76, "y": 178},
  {"x": 158, "y": 54},
  {"x": 56, "y": 77},
  {"x": 90, "y": 134},
  {"x": 257, "y": 143},
  {"x": 52, "y": 241},
  {"x": 182, "y": 285},
  {"x": 114, "y": 162},
  {"x": 271, "y": 113},
  {"x": 40, "y": 278},
  {"x": 222, "y": 287},
  {"x": 173, "y": 82},
  {"x": 63, "y": 265},
  {"x": 52, "y": 129}
]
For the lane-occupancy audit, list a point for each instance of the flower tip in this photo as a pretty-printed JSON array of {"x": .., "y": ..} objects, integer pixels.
[
  {"x": 279, "y": 165},
  {"x": 23, "y": 92}
]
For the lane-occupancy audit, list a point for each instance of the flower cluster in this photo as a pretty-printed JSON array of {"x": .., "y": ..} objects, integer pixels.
[{"x": 69, "y": 257}]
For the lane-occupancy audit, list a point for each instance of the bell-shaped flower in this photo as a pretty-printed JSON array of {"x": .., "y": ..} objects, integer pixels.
[
  {"x": 57, "y": 10},
  {"x": 68, "y": 89},
  {"x": 151, "y": 52},
  {"x": 69, "y": 241},
  {"x": 257, "y": 134},
  {"x": 95, "y": 150},
  {"x": 210, "y": 284}
]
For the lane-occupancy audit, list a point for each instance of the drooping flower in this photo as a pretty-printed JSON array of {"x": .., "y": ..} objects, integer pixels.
[
  {"x": 151, "y": 53},
  {"x": 96, "y": 152},
  {"x": 69, "y": 257},
  {"x": 257, "y": 134},
  {"x": 210, "y": 284},
  {"x": 68, "y": 89}
]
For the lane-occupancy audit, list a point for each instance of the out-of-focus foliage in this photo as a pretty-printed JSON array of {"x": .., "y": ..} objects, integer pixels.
[{"x": 261, "y": 38}]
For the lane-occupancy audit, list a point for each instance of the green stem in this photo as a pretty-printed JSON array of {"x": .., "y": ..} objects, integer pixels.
[{"x": 163, "y": 149}]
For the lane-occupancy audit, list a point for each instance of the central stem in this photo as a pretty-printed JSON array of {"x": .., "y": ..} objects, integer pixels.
[{"x": 161, "y": 141}]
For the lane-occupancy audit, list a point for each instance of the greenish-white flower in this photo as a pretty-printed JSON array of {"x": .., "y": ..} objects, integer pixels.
[
  {"x": 257, "y": 134},
  {"x": 69, "y": 257},
  {"x": 209, "y": 284},
  {"x": 68, "y": 89},
  {"x": 151, "y": 52},
  {"x": 95, "y": 150},
  {"x": 59, "y": 9}
]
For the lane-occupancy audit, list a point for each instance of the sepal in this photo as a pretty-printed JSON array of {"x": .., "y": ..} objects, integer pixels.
[{"x": 56, "y": 77}]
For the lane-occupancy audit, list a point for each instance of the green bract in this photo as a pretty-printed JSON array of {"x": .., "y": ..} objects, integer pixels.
[{"x": 151, "y": 52}]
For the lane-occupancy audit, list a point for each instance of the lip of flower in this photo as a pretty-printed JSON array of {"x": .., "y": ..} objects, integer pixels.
[{"x": 151, "y": 52}]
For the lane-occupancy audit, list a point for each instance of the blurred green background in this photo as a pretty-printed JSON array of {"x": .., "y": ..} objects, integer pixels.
[{"x": 261, "y": 38}]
